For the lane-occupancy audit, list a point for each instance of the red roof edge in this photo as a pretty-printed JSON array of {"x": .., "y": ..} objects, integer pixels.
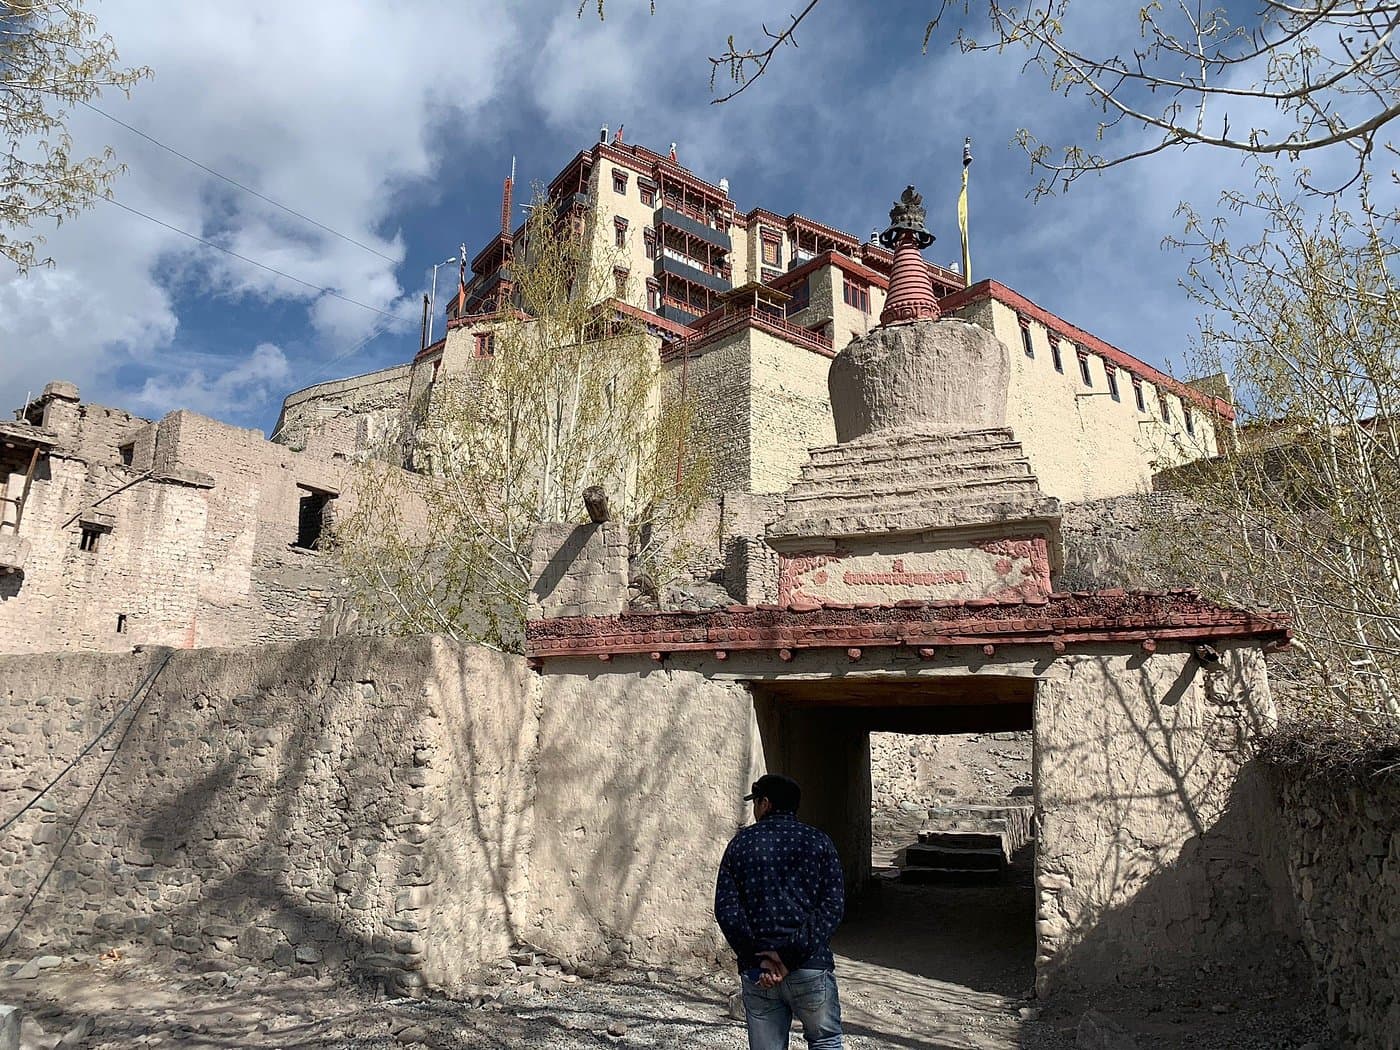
[
  {"x": 990, "y": 289},
  {"x": 842, "y": 262},
  {"x": 674, "y": 327}
]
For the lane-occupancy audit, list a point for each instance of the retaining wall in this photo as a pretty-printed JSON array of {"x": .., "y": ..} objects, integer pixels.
[{"x": 1344, "y": 861}]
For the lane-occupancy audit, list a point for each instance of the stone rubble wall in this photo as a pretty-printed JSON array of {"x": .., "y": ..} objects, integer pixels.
[
  {"x": 372, "y": 402},
  {"x": 146, "y": 568},
  {"x": 921, "y": 771},
  {"x": 200, "y": 546},
  {"x": 294, "y": 806},
  {"x": 1344, "y": 862}
]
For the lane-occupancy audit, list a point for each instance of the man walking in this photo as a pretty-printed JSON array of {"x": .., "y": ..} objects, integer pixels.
[{"x": 779, "y": 898}]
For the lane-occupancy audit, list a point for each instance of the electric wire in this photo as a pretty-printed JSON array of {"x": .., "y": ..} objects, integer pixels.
[
  {"x": 145, "y": 683},
  {"x": 234, "y": 182},
  {"x": 143, "y": 693},
  {"x": 244, "y": 258}
]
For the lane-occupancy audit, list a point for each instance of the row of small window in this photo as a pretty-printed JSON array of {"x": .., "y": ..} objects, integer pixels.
[
  {"x": 647, "y": 192},
  {"x": 620, "y": 237},
  {"x": 1111, "y": 373}
]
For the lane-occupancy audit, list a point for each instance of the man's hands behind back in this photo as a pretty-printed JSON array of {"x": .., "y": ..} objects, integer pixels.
[{"x": 773, "y": 969}]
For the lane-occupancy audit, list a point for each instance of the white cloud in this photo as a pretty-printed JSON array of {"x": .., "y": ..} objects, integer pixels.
[
  {"x": 261, "y": 375},
  {"x": 324, "y": 106}
]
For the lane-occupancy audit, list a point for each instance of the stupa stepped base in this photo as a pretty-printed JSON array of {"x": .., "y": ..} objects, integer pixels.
[{"x": 905, "y": 482}]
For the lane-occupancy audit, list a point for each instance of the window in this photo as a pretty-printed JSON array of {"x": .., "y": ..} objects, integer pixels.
[
  {"x": 1112, "y": 374},
  {"x": 311, "y": 518},
  {"x": 1055, "y": 354},
  {"x": 1164, "y": 408},
  {"x": 89, "y": 538},
  {"x": 121, "y": 623},
  {"x": 649, "y": 239},
  {"x": 801, "y": 297},
  {"x": 619, "y": 181},
  {"x": 1026, "y": 343},
  {"x": 648, "y": 195},
  {"x": 1189, "y": 418},
  {"x": 485, "y": 344},
  {"x": 854, "y": 293},
  {"x": 127, "y": 453},
  {"x": 653, "y": 296},
  {"x": 620, "y": 279},
  {"x": 1137, "y": 395},
  {"x": 772, "y": 250},
  {"x": 620, "y": 232},
  {"x": 1084, "y": 369}
]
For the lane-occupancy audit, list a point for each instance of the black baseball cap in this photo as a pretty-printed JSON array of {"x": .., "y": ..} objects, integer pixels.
[{"x": 782, "y": 791}]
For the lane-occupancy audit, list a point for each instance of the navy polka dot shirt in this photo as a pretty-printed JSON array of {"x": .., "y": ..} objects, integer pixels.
[{"x": 781, "y": 889}]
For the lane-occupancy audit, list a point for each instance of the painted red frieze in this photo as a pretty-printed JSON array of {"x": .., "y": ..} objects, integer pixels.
[
  {"x": 1022, "y": 566},
  {"x": 1054, "y": 620},
  {"x": 1016, "y": 567}
]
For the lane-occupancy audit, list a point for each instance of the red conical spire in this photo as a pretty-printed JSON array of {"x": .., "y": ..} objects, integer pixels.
[{"x": 911, "y": 295}]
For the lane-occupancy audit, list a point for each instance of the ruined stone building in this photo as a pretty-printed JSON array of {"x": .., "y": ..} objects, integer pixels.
[{"x": 119, "y": 531}]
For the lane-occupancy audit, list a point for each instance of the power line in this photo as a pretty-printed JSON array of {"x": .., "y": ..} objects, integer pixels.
[
  {"x": 235, "y": 182},
  {"x": 244, "y": 258},
  {"x": 143, "y": 692}
]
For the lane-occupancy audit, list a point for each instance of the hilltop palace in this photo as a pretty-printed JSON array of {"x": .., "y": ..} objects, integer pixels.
[{"x": 117, "y": 530}]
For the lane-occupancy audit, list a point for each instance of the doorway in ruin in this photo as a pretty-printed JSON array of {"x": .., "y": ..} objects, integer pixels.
[{"x": 925, "y": 786}]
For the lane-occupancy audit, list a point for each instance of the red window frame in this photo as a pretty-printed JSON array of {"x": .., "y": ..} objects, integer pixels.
[{"x": 855, "y": 293}]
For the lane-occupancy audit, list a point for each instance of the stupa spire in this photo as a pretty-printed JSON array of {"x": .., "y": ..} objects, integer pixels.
[{"x": 911, "y": 295}]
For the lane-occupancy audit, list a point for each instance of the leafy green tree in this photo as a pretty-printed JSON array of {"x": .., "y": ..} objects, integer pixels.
[{"x": 571, "y": 397}]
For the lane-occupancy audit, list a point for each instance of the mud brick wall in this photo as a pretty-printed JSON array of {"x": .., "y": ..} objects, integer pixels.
[
  {"x": 579, "y": 570},
  {"x": 372, "y": 401},
  {"x": 1157, "y": 848},
  {"x": 320, "y": 805},
  {"x": 1344, "y": 861}
]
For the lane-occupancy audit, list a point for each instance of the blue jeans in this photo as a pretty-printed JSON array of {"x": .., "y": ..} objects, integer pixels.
[{"x": 809, "y": 995}]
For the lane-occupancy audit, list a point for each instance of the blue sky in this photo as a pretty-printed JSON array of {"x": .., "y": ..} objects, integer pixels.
[{"x": 394, "y": 124}]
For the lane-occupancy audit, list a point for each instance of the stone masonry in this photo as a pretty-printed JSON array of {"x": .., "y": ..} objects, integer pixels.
[
  {"x": 296, "y": 806},
  {"x": 1344, "y": 861}
]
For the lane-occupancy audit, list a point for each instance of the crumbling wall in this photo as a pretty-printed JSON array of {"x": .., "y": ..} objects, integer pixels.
[
  {"x": 137, "y": 584},
  {"x": 372, "y": 401},
  {"x": 357, "y": 802},
  {"x": 1156, "y": 848},
  {"x": 1344, "y": 861},
  {"x": 578, "y": 570}
]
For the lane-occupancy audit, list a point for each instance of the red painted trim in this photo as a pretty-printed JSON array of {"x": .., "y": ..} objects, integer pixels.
[
  {"x": 796, "y": 221},
  {"x": 674, "y": 327},
  {"x": 1057, "y": 620},
  {"x": 431, "y": 350},
  {"x": 739, "y": 320},
  {"x": 843, "y": 263},
  {"x": 490, "y": 315},
  {"x": 983, "y": 290}
]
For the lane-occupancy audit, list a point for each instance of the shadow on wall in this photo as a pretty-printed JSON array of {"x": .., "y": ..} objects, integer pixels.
[
  {"x": 296, "y": 805},
  {"x": 640, "y": 787},
  {"x": 1160, "y": 852}
]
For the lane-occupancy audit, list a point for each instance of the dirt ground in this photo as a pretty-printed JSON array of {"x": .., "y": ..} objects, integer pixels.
[{"x": 926, "y": 967}]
